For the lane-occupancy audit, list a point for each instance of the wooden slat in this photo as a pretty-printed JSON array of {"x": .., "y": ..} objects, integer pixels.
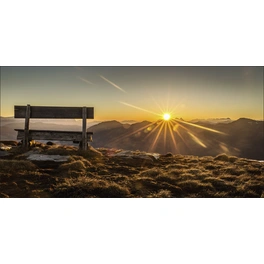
[
  {"x": 53, "y": 135},
  {"x": 53, "y": 112},
  {"x": 45, "y": 130}
]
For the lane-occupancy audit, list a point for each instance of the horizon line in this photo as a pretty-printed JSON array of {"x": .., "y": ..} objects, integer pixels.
[{"x": 131, "y": 120}]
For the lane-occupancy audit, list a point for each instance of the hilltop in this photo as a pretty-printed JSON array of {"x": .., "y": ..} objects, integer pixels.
[{"x": 64, "y": 171}]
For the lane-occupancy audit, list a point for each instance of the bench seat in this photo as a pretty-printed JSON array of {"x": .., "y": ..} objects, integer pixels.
[{"x": 54, "y": 135}]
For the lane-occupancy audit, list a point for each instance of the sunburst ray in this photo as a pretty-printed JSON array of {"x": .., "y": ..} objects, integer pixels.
[
  {"x": 172, "y": 136},
  {"x": 201, "y": 127},
  {"x": 156, "y": 139},
  {"x": 139, "y": 108}
]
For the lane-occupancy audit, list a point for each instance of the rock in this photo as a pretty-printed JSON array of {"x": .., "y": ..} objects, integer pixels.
[
  {"x": 168, "y": 155},
  {"x": 4, "y": 150},
  {"x": 135, "y": 158},
  {"x": 135, "y": 161},
  {"x": 4, "y": 154},
  {"x": 31, "y": 152},
  {"x": 137, "y": 154},
  {"x": 4, "y": 147},
  {"x": 43, "y": 157}
]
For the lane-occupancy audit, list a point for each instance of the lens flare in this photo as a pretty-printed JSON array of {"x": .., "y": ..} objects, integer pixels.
[{"x": 174, "y": 131}]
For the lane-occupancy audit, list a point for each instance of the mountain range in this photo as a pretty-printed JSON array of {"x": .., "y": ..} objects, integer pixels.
[{"x": 242, "y": 138}]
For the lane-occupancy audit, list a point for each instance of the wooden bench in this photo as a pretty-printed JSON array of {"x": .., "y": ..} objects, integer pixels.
[{"x": 50, "y": 112}]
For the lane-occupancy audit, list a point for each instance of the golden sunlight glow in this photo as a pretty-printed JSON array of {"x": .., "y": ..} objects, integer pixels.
[
  {"x": 166, "y": 116},
  {"x": 172, "y": 130}
]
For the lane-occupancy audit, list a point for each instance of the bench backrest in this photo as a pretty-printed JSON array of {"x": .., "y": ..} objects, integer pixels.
[
  {"x": 53, "y": 112},
  {"x": 59, "y": 112}
]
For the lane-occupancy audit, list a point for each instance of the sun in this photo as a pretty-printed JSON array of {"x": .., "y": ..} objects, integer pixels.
[{"x": 166, "y": 116}]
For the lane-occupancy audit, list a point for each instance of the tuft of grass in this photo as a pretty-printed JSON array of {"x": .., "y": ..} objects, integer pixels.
[
  {"x": 206, "y": 159},
  {"x": 151, "y": 172},
  {"x": 257, "y": 188},
  {"x": 177, "y": 166},
  {"x": 144, "y": 186},
  {"x": 211, "y": 167},
  {"x": 193, "y": 171},
  {"x": 120, "y": 178},
  {"x": 161, "y": 194},
  {"x": 3, "y": 195},
  {"x": 176, "y": 172},
  {"x": 221, "y": 194},
  {"x": 165, "y": 178},
  {"x": 86, "y": 162},
  {"x": 246, "y": 193},
  {"x": 233, "y": 171},
  {"x": 222, "y": 157},
  {"x": 220, "y": 185},
  {"x": 233, "y": 158},
  {"x": 195, "y": 160},
  {"x": 86, "y": 187},
  {"x": 194, "y": 186},
  {"x": 59, "y": 150},
  {"x": 230, "y": 178},
  {"x": 243, "y": 178},
  {"x": 14, "y": 166},
  {"x": 90, "y": 153},
  {"x": 183, "y": 177},
  {"x": 76, "y": 165},
  {"x": 254, "y": 171},
  {"x": 205, "y": 174}
]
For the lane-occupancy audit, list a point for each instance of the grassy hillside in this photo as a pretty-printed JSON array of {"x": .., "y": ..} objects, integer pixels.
[{"x": 102, "y": 173}]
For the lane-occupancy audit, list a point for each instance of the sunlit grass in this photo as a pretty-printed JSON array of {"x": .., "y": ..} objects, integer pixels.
[
  {"x": 85, "y": 187},
  {"x": 108, "y": 176}
]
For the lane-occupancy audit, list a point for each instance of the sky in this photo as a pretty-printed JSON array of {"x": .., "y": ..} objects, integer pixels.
[{"x": 138, "y": 93}]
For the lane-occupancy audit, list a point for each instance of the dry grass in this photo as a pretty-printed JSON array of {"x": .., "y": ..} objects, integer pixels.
[
  {"x": 151, "y": 172},
  {"x": 161, "y": 194},
  {"x": 85, "y": 187},
  {"x": 75, "y": 164},
  {"x": 15, "y": 166},
  {"x": 222, "y": 157},
  {"x": 95, "y": 173}
]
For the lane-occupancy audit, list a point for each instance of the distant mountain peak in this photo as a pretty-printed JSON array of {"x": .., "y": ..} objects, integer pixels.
[
  {"x": 106, "y": 125},
  {"x": 242, "y": 119}
]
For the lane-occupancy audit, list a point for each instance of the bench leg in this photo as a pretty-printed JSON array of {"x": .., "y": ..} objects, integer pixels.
[
  {"x": 84, "y": 135},
  {"x": 26, "y": 130},
  {"x": 82, "y": 146},
  {"x": 29, "y": 143}
]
